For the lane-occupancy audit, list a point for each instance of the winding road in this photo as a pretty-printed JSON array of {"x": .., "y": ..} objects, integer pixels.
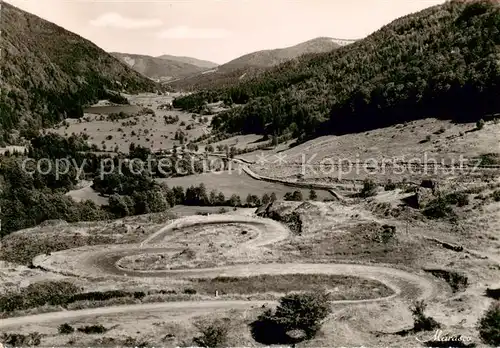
[{"x": 99, "y": 261}]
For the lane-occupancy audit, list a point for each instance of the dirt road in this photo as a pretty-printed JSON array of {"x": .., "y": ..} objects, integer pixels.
[{"x": 102, "y": 261}]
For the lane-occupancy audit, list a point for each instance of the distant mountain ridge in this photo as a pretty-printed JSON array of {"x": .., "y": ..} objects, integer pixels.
[
  {"x": 49, "y": 73},
  {"x": 161, "y": 69},
  {"x": 205, "y": 64},
  {"x": 269, "y": 58},
  {"x": 252, "y": 64}
]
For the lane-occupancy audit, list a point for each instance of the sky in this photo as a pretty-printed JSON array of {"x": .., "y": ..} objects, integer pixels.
[{"x": 217, "y": 30}]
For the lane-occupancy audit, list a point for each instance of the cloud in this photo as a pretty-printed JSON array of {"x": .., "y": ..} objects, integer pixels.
[
  {"x": 116, "y": 20},
  {"x": 184, "y": 32}
]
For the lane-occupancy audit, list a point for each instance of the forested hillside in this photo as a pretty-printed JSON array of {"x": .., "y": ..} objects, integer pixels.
[
  {"x": 268, "y": 58},
  {"x": 251, "y": 65},
  {"x": 441, "y": 62},
  {"x": 48, "y": 73}
]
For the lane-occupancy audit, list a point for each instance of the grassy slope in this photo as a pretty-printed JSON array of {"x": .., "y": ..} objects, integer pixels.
[{"x": 49, "y": 73}]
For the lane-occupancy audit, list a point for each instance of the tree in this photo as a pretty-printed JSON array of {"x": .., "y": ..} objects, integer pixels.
[
  {"x": 249, "y": 200},
  {"x": 213, "y": 197},
  {"x": 297, "y": 196},
  {"x": 273, "y": 197},
  {"x": 118, "y": 206},
  {"x": 179, "y": 194},
  {"x": 489, "y": 325},
  {"x": 312, "y": 195},
  {"x": 235, "y": 200},
  {"x": 221, "y": 199},
  {"x": 297, "y": 317},
  {"x": 265, "y": 198}
]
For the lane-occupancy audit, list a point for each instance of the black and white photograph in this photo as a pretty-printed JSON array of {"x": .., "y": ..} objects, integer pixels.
[{"x": 249, "y": 173}]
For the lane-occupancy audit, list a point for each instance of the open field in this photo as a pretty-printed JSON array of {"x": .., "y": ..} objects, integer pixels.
[
  {"x": 239, "y": 183},
  {"x": 146, "y": 130}
]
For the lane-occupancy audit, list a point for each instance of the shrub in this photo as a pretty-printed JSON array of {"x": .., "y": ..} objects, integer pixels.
[
  {"x": 213, "y": 334},
  {"x": 489, "y": 325},
  {"x": 389, "y": 186},
  {"x": 421, "y": 322},
  {"x": 93, "y": 329},
  {"x": 37, "y": 295},
  {"x": 293, "y": 196},
  {"x": 189, "y": 291},
  {"x": 438, "y": 208},
  {"x": 139, "y": 295},
  {"x": 65, "y": 329},
  {"x": 19, "y": 340},
  {"x": 386, "y": 234},
  {"x": 480, "y": 124},
  {"x": 298, "y": 317}
]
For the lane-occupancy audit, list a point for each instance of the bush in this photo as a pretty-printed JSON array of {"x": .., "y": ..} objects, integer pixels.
[
  {"x": 386, "y": 234},
  {"x": 139, "y": 295},
  {"x": 65, "y": 329},
  {"x": 213, "y": 334},
  {"x": 93, "y": 329},
  {"x": 298, "y": 317},
  {"x": 57, "y": 294},
  {"x": 189, "y": 291},
  {"x": 295, "y": 196},
  {"x": 480, "y": 124},
  {"x": 19, "y": 340},
  {"x": 438, "y": 208},
  {"x": 489, "y": 325},
  {"x": 421, "y": 322},
  {"x": 37, "y": 295}
]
